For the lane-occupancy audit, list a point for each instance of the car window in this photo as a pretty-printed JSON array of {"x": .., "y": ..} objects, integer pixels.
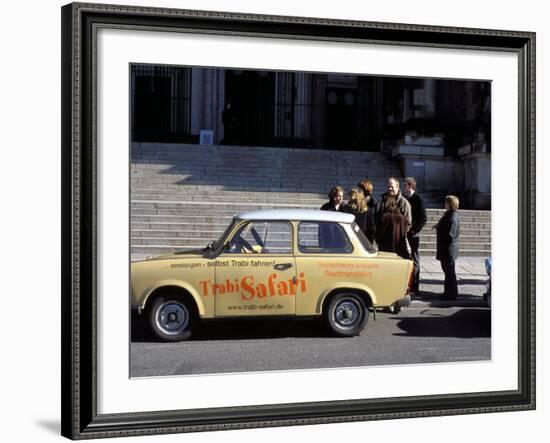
[
  {"x": 369, "y": 247},
  {"x": 262, "y": 238},
  {"x": 323, "y": 237}
]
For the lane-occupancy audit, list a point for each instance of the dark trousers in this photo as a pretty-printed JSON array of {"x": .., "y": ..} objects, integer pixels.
[
  {"x": 451, "y": 287},
  {"x": 414, "y": 243}
]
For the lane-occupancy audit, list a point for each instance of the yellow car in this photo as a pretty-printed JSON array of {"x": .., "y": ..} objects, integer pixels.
[{"x": 292, "y": 263}]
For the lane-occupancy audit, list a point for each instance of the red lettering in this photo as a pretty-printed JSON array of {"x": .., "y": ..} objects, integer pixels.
[
  {"x": 282, "y": 288},
  {"x": 271, "y": 284},
  {"x": 302, "y": 281},
  {"x": 261, "y": 291},
  {"x": 292, "y": 286},
  {"x": 247, "y": 287},
  {"x": 204, "y": 287},
  {"x": 229, "y": 286},
  {"x": 218, "y": 289}
]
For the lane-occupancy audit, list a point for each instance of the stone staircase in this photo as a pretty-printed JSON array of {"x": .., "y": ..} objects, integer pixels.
[{"x": 184, "y": 196}]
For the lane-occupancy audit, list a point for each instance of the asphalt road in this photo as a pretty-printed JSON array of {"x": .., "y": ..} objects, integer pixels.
[{"x": 425, "y": 332}]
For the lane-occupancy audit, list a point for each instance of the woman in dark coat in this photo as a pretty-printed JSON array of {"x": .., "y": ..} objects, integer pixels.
[
  {"x": 368, "y": 190},
  {"x": 335, "y": 200},
  {"x": 364, "y": 216},
  {"x": 329, "y": 238},
  {"x": 448, "y": 231}
]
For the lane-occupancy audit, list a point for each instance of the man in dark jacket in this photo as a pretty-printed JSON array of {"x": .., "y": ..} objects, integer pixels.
[
  {"x": 419, "y": 218},
  {"x": 448, "y": 231}
]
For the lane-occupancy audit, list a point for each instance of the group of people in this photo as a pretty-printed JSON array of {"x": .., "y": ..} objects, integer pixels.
[{"x": 394, "y": 223}]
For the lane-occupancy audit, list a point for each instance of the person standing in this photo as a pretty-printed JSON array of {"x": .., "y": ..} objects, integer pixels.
[
  {"x": 419, "y": 218},
  {"x": 328, "y": 235},
  {"x": 335, "y": 200},
  {"x": 448, "y": 231},
  {"x": 363, "y": 214},
  {"x": 230, "y": 125},
  {"x": 368, "y": 191},
  {"x": 393, "y": 221}
]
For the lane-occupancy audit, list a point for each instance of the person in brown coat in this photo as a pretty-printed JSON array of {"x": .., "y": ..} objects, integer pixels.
[{"x": 393, "y": 221}]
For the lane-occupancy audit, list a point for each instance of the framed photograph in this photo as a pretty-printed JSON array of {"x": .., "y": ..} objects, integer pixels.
[{"x": 202, "y": 288}]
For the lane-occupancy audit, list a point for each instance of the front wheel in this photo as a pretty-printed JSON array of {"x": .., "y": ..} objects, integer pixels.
[
  {"x": 347, "y": 314},
  {"x": 171, "y": 319}
]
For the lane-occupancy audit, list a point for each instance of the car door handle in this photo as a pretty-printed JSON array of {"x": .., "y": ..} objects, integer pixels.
[{"x": 282, "y": 266}]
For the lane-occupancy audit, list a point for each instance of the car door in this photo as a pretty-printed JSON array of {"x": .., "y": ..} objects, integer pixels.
[
  {"x": 255, "y": 274},
  {"x": 324, "y": 258}
]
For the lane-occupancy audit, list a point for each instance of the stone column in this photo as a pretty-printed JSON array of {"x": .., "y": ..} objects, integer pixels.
[
  {"x": 197, "y": 100},
  {"x": 302, "y": 106},
  {"x": 218, "y": 105},
  {"x": 429, "y": 98},
  {"x": 208, "y": 99}
]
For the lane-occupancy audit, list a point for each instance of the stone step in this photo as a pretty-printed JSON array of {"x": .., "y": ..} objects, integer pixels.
[
  {"x": 211, "y": 175},
  {"x": 201, "y": 217},
  {"x": 293, "y": 164},
  {"x": 470, "y": 215},
  {"x": 357, "y": 173},
  {"x": 230, "y": 199},
  {"x": 179, "y": 238},
  {"x": 225, "y": 208},
  {"x": 184, "y": 196},
  {"x": 175, "y": 149},
  {"x": 376, "y": 174},
  {"x": 142, "y": 251},
  {"x": 223, "y": 223},
  {"x": 258, "y": 184},
  {"x": 214, "y": 196},
  {"x": 463, "y": 219},
  {"x": 484, "y": 246},
  {"x": 462, "y": 253},
  {"x": 465, "y": 236},
  {"x": 328, "y": 166},
  {"x": 215, "y": 231},
  {"x": 184, "y": 192},
  {"x": 170, "y": 207}
]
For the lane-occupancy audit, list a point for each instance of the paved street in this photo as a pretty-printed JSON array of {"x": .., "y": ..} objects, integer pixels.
[
  {"x": 428, "y": 331},
  {"x": 471, "y": 278}
]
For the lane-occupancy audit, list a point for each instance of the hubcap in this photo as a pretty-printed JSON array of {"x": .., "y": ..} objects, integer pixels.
[
  {"x": 172, "y": 317},
  {"x": 347, "y": 313}
]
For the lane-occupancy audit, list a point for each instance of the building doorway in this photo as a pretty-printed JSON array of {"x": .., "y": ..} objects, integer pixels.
[
  {"x": 248, "y": 111},
  {"x": 341, "y": 118}
]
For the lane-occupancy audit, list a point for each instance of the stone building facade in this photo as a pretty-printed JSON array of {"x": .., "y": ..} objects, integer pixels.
[{"x": 439, "y": 131}]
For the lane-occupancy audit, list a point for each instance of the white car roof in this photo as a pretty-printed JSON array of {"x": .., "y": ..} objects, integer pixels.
[{"x": 297, "y": 214}]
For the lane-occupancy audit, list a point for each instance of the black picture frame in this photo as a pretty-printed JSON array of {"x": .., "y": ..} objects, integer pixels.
[{"x": 79, "y": 212}]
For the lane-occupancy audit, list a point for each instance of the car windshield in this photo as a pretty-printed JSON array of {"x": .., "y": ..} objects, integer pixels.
[
  {"x": 369, "y": 247},
  {"x": 218, "y": 242}
]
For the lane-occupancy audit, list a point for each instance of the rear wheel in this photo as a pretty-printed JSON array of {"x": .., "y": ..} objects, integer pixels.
[
  {"x": 171, "y": 319},
  {"x": 346, "y": 314}
]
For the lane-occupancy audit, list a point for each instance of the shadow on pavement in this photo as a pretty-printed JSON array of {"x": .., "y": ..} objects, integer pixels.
[
  {"x": 434, "y": 298},
  {"x": 466, "y": 323},
  {"x": 242, "y": 329}
]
